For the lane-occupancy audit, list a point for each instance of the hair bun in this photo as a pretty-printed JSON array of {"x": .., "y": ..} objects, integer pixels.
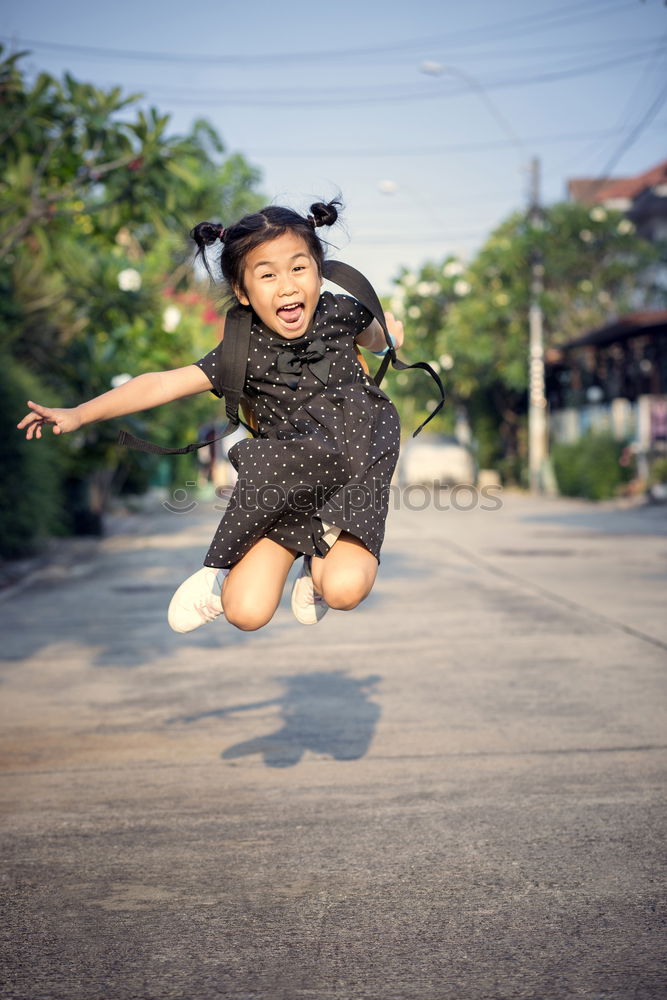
[
  {"x": 206, "y": 233},
  {"x": 324, "y": 214}
]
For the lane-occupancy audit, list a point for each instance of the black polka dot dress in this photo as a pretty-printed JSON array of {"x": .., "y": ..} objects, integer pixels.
[{"x": 328, "y": 440}]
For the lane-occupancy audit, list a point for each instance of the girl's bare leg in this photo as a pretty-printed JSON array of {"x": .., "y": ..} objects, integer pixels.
[
  {"x": 252, "y": 589},
  {"x": 346, "y": 574}
]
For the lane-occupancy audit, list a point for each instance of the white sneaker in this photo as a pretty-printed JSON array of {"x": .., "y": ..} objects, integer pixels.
[
  {"x": 198, "y": 600},
  {"x": 308, "y": 607}
]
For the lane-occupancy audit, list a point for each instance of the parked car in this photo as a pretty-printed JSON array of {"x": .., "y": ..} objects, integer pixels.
[{"x": 436, "y": 460}]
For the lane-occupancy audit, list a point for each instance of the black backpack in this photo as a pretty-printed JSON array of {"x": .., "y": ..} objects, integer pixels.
[{"x": 235, "y": 352}]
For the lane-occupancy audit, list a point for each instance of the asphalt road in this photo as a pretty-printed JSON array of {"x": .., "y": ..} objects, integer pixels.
[{"x": 455, "y": 791}]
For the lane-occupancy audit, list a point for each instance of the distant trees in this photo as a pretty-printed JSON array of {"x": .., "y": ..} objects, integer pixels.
[
  {"x": 96, "y": 200},
  {"x": 471, "y": 319}
]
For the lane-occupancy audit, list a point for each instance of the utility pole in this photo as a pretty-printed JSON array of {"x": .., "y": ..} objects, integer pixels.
[{"x": 537, "y": 402}]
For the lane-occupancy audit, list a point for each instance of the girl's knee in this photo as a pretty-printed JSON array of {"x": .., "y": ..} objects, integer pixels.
[
  {"x": 245, "y": 615},
  {"x": 345, "y": 591}
]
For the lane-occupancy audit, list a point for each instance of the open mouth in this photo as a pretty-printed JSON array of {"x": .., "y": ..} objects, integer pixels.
[{"x": 292, "y": 314}]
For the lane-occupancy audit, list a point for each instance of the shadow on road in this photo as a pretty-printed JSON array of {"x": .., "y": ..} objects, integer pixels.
[
  {"x": 327, "y": 713},
  {"x": 114, "y": 598}
]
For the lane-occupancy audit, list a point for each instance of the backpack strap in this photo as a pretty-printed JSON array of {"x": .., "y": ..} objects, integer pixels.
[
  {"x": 360, "y": 288},
  {"x": 234, "y": 355},
  {"x": 235, "y": 352},
  {"x": 234, "y": 359}
]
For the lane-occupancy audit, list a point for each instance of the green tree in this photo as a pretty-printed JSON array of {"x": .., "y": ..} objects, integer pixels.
[
  {"x": 472, "y": 320},
  {"x": 96, "y": 200}
]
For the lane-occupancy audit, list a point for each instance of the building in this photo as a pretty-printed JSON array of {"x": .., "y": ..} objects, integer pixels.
[
  {"x": 642, "y": 198},
  {"x": 615, "y": 378}
]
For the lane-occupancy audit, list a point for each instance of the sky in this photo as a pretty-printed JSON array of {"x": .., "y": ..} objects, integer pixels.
[{"x": 424, "y": 116}]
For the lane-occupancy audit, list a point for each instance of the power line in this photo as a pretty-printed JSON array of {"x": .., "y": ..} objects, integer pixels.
[
  {"x": 642, "y": 86},
  {"x": 557, "y": 17},
  {"x": 543, "y": 20},
  {"x": 615, "y": 47},
  {"x": 593, "y": 149},
  {"x": 636, "y": 130},
  {"x": 279, "y": 95},
  {"x": 379, "y": 95},
  {"x": 495, "y": 52},
  {"x": 455, "y": 147},
  {"x": 506, "y": 52},
  {"x": 634, "y": 134}
]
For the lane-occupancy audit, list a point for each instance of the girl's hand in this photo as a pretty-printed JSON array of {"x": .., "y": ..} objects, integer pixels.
[
  {"x": 62, "y": 421},
  {"x": 373, "y": 338},
  {"x": 395, "y": 328}
]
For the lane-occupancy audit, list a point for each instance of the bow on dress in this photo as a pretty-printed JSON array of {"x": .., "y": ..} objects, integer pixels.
[{"x": 290, "y": 363}]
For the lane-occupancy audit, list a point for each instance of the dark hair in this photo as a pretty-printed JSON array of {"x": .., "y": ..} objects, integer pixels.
[{"x": 252, "y": 230}]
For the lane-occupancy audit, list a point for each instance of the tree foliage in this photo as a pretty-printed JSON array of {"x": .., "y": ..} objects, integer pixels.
[
  {"x": 471, "y": 319},
  {"x": 96, "y": 200}
]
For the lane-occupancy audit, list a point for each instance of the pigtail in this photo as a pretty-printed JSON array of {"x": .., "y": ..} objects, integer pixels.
[
  {"x": 205, "y": 234},
  {"x": 324, "y": 214}
]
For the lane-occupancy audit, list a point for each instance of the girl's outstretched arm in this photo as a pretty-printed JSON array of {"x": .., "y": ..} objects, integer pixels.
[
  {"x": 372, "y": 338},
  {"x": 140, "y": 393}
]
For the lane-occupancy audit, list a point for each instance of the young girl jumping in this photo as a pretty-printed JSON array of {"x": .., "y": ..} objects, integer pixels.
[{"x": 314, "y": 482}]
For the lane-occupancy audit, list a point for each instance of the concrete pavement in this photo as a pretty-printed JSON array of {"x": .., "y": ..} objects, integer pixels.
[{"x": 455, "y": 791}]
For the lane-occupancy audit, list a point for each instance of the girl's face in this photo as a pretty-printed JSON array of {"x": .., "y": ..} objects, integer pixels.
[{"x": 282, "y": 284}]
